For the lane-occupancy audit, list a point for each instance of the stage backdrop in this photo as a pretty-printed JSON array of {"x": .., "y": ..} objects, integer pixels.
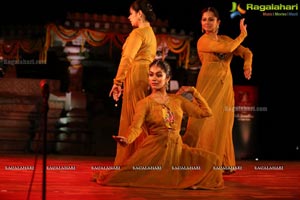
[{"x": 246, "y": 110}]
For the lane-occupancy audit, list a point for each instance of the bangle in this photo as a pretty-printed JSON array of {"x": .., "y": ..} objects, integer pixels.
[{"x": 118, "y": 83}]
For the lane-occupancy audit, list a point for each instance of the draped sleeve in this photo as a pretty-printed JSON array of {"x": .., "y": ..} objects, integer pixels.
[
  {"x": 246, "y": 54},
  {"x": 129, "y": 51},
  {"x": 198, "y": 108},
  {"x": 207, "y": 44},
  {"x": 135, "y": 128}
]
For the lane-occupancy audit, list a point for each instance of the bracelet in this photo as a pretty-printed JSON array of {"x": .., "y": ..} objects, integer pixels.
[{"x": 118, "y": 83}]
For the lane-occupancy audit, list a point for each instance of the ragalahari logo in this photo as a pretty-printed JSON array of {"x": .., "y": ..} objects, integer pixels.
[{"x": 236, "y": 10}]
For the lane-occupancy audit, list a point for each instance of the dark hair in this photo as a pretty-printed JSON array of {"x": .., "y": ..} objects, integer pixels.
[
  {"x": 211, "y": 9},
  {"x": 146, "y": 7},
  {"x": 163, "y": 65}
]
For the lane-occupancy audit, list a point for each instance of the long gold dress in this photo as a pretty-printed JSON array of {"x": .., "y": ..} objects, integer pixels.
[
  {"x": 216, "y": 85},
  {"x": 162, "y": 160},
  {"x": 138, "y": 52}
]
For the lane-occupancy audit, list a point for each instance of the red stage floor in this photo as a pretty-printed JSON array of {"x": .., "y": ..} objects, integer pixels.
[{"x": 69, "y": 177}]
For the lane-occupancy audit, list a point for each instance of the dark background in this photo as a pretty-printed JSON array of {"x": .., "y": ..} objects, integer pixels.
[{"x": 274, "y": 41}]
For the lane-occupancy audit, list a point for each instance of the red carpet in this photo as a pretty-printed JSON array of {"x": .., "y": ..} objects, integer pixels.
[{"x": 69, "y": 177}]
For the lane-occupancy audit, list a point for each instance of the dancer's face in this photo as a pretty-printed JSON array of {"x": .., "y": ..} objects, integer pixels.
[
  {"x": 209, "y": 22},
  {"x": 157, "y": 78},
  {"x": 134, "y": 17}
]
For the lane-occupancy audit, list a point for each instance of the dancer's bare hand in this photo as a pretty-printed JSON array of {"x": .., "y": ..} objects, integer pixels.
[
  {"x": 115, "y": 92},
  {"x": 121, "y": 140},
  {"x": 185, "y": 89},
  {"x": 248, "y": 73},
  {"x": 243, "y": 26}
]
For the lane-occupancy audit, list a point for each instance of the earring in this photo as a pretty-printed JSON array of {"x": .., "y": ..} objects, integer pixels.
[
  {"x": 217, "y": 29},
  {"x": 167, "y": 86}
]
